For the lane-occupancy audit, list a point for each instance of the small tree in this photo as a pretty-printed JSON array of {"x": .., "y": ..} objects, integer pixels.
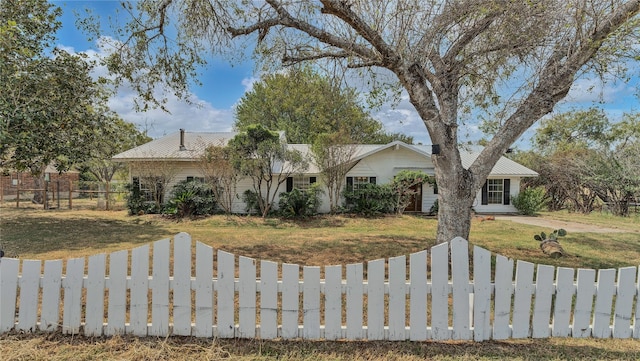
[
  {"x": 155, "y": 177},
  {"x": 261, "y": 155},
  {"x": 530, "y": 200},
  {"x": 219, "y": 173},
  {"x": 403, "y": 184},
  {"x": 334, "y": 155}
]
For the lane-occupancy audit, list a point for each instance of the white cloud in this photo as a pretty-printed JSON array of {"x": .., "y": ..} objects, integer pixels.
[
  {"x": 248, "y": 83},
  {"x": 192, "y": 115}
]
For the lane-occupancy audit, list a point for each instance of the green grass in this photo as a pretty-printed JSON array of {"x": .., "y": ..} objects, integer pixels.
[
  {"x": 39, "y": 234},
  {"x": 35, "y": 233}
]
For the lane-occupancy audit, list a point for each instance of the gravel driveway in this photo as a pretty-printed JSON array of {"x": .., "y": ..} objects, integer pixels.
[{"x": 554, "y": 224}]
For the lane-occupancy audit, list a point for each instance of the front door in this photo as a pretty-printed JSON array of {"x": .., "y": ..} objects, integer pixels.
[{"x": 415, "y": 204}]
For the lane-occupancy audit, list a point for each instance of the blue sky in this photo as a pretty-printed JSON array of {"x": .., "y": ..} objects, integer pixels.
[{"x": 224, "y": 84}]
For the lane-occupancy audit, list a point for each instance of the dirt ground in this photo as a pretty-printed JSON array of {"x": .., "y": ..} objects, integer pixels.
[{"x": 555, "y": 224}]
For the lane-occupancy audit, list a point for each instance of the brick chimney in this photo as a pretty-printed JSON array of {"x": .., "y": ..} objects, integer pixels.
[{"x": 182, "y": 147}]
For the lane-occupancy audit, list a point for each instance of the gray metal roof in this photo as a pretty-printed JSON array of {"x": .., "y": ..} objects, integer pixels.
[{"x": 168, "y": 148}]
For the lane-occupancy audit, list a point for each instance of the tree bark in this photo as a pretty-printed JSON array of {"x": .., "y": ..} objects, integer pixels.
[{"x": 454, "y": 214}]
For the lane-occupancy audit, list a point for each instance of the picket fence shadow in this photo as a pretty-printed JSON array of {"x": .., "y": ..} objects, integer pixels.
[{"x": 439, "y": 300}]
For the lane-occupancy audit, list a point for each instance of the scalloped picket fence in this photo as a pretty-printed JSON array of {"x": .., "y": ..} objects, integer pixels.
[{"x": 154, "y": 291}]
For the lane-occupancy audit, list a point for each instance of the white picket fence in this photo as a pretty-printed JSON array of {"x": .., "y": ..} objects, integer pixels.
[{"x": 439, "y": 300}]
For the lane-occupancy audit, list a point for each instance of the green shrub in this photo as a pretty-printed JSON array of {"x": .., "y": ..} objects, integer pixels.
[
  {"x": 191, "y": 198},
  {"x": 434, "y": 208},
  {"x": 137, "y": 203},
  {"x": 370, "y": 199},
  {"x": 299, "y": 203},
  {"x": 530, "y": 201},
  {"x": 250, "y": 199}
]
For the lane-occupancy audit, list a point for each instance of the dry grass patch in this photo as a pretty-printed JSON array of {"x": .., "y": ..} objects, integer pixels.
[{"x": 54, "y": 347}]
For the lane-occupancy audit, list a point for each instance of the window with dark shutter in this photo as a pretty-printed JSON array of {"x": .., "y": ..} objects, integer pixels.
[
  {"x": 349, "y": 183},
  {"x": 485, "y": 194},
  {"x": 506, "y": 199},
  {"x": 372, "y": 180},
  {"x": 312, "y": 180},
  {"x": 289, "y": 184}
]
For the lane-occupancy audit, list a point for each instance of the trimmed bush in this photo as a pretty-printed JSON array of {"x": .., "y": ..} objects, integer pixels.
[
  {"x": 370, "y": 199},
  {"x": 299, "y": 203},
  {"x": 191, "y": 198},
  {"x": 530, "y": 201}
]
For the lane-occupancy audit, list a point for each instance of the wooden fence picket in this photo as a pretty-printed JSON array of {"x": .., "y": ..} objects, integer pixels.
[
  {"x": 290, "y": 300},
  {"x": 482, "y": 294},
  {"x": 503, "y": 292},
  {"x": 72, "y": 303},
  {"x": 375, "y": 299},
  {"x": 604, "y": 301},
  {"x": 355, "y": 291},
  {"x": 94, "y": 312},
  {"x": 544, "y": 290},
  {"x": 565, "y": 290},
  {"x": 117, "y": 285},
  {"x": 139, "y": 290},
  {"x": 225, "y": 295},
  {"x": 29, "y": 291},
  {"x": 268, "y": 300},
  {"x": 204, "y": 291},
  {"x": 418, "y": 291},
  {"x": 333, "y": 302},
  {"x": 160, "y": 289},
  {"x": 51, "y": 282},
  {"x": 624, "y": 302},
  {"x": 218, "y": 296},
  {"x": 584, "y": 303},
  {"x": 311, "y": 302},
  {"x": 440, "y": 292},
  {"x": 460, "y": 285},
  {"x": 8, "y": 291},
  {"x": 182, "y": 285},
  {"x": 247, "y": 298},
  {"x": 397, "y": 298}
]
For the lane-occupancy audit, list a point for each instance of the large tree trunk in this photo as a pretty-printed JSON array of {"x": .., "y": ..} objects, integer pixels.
[{"x": 455, "y": 199}]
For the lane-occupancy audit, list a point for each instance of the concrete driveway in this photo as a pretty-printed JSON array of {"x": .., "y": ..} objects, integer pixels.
[{"x": 554, "y": 224}]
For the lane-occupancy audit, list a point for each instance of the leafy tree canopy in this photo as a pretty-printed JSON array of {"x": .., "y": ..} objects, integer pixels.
[
  {"x": 51, "y": 110},
  {"x": 510, "y": 60},
  {"x": 304, "y": 104}
]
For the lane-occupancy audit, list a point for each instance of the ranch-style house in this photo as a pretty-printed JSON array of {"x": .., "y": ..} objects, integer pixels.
[{"x": 370, "y": 163}]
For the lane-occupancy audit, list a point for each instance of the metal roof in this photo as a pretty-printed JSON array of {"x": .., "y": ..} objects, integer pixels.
[{"x": 168, "y": 148}]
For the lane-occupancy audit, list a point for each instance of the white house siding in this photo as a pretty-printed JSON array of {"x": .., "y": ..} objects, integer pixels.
[
  {"x": 428, "y": 197},
  {"x": 385, "y": 164},
  {"x": 514, "y": 189}
]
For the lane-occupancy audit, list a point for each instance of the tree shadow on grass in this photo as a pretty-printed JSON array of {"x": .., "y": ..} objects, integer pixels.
[{"x": 35, "y": 235}]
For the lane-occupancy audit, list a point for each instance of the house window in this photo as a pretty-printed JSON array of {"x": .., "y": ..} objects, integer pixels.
[
  {"x": 355, "y": 183},
  {"x": 150, "y": 192},
  {"x": 496, "y": 191},
  {"x": 495, "y": 187},
  {"x": 300, "y": 182},
  {"x": 198, "y": 179}
]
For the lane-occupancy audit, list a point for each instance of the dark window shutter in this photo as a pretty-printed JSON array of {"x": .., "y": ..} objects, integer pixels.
[
  {"x": 506, "y": 192},
  {"x": 289, "y": 184},
  {"x": 372, "y": 180},
  {"x": 485, "y": 194},
  {"x": 189, "y": 179},
  {"x": 435, "y": 188},
  {"x": 312, "y": 180},
  {"x": 349, "y": 183}
]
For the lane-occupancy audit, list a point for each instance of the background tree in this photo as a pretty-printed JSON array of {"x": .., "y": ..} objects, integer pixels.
[
  {"x": 115, "y": 137},
  {"x": 303, "y": 104},
  {"x": 215, "y": 165},
  {"x": 583, "y": 158},
  {"x": 333, "y": 154},
  {"x": 508, "y": 60},
  {"x": 50, "y": 107},
  {"x": 261, "y": 155}
]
